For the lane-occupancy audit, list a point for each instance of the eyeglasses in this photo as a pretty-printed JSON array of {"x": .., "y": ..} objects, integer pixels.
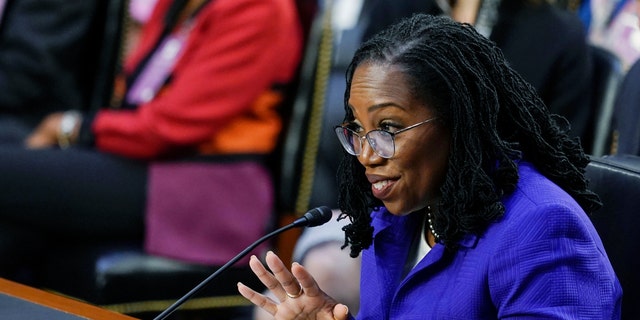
[{"x": 381, "y": 141}]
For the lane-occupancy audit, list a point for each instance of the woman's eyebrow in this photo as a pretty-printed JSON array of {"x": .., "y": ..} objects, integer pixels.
[
  {"x": 383, "y": 105},
  {"x": 378, "y": 106}
]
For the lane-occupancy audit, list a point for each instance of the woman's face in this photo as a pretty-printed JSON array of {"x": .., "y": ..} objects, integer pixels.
[{"x": 381, "y": 99}]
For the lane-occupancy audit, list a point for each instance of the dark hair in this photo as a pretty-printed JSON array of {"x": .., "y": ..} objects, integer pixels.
[{"x": 494, "y": 116}]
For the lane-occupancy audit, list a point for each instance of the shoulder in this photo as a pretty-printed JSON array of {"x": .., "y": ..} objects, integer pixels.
[
  {"x": 550, "y": 14},
  {"x": 574, "y": 32},
  {"x": 543, "y": 209},
  {"x": 549, "y": 20},
  {"x": 564, "y": 24},
  {"x": 545, "y": 245},
  {"x": 536, "y": 192}
]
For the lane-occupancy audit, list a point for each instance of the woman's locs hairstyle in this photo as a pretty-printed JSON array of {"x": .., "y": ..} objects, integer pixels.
[{"x": 495, "y": 119}]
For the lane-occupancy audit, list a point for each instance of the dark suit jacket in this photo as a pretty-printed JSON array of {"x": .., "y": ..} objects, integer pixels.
[
  {"x": 49, "y": 55},
  {"x": 548, "y": 47},
  {"x": 627, "y": 113}
]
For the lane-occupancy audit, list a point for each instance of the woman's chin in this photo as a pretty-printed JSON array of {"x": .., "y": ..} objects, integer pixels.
[
  {"x": 400, "y": 211},
  {"x": 396, "y": 211}
]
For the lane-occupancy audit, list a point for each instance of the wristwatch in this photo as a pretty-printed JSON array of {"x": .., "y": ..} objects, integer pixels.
[{"x": 70, "y": 120}]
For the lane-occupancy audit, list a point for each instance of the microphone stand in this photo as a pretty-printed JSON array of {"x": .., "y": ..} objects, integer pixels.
[{"x": 235, "y": 259}]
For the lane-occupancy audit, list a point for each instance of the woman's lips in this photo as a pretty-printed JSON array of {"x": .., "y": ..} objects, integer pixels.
[
  {"x": 381, "y": 189},
  {"x": 381, "y": 186}
]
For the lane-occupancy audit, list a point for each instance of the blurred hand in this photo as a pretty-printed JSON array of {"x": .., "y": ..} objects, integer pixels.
[
  {"x": 298, "y": 294},
  {"x": 46, "y": 134}
]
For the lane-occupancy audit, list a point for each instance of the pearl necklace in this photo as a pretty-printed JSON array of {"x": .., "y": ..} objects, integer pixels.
[{"x": 429, "y": 219}]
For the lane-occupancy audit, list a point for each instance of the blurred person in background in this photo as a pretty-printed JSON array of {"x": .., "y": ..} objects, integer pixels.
[
  {"x": 179, "y": 164},
  {"x": 626, "y": 116},
  {"x": 48, "y": 54},
  {"x": 613, "y": 25}
]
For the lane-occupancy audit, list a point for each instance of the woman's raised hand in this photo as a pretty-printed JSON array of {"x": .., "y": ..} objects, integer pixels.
[{"x": 298, "y": 294}]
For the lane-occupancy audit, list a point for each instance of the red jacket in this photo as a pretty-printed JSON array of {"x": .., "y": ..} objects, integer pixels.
[{"x": 219, "y": 99}]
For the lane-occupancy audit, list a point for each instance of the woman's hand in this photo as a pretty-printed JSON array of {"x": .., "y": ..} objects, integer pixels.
[
  {"x": 60, "y": 128},
  {"x": 297, "y": 292},
  {"x": 46, "y": 133}
]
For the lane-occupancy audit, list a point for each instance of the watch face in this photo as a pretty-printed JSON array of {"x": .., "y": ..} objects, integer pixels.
[
  {"x": 69, "y": 121},
  {"x": 68, "y": 124}
]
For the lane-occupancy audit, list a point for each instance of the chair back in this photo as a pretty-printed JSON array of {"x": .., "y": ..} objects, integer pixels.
[
  {"x": 109, "y": 25},
  {"x": 616, "y": 179}
]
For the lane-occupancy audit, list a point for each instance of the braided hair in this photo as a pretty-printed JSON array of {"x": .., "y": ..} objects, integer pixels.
[{"x": 495, "y": 118}]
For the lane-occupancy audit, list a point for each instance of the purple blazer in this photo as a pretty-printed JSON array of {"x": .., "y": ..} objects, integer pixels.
[{"x": 543, "y": 259}]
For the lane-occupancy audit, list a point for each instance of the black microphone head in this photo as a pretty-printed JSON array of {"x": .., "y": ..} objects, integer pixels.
[{"x": 314, "y": 217}]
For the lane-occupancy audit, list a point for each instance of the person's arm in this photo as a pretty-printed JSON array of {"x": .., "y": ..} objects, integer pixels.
[
  {"x": 42, "y": 42},
  {"x": 235, "y": 52},
  {"x": 551, "y": 265}
]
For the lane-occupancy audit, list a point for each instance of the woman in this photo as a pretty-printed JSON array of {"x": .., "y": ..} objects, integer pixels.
[{"x": 465, "y": 197}]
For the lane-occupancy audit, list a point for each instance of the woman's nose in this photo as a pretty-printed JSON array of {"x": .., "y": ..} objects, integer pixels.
[{"x": 367, "y": 155}]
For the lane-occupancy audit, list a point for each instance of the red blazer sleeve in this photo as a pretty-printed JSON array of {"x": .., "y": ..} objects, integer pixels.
[{"x": 236, "y": 50}]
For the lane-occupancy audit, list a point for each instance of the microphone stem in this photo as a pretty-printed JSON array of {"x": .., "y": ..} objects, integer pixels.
[{"x": 235, "y": 259}]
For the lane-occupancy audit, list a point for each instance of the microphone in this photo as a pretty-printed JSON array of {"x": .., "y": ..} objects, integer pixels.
[{"x": 314, "y": 217}]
